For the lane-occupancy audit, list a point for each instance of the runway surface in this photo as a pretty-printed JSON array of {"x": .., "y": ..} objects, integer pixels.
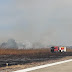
[
  {"x": 65, "y": 67},
  {"x": 62, "y": 66}
]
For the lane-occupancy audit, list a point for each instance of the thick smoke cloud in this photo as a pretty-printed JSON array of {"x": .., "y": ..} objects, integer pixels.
[{"x": 10, "y": 44}]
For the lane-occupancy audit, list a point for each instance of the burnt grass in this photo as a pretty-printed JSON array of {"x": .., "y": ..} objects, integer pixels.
[{"x": 38, "y": 56}]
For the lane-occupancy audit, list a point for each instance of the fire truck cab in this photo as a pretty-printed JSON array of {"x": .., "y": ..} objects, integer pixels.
[{"x": 55, "y": 49}]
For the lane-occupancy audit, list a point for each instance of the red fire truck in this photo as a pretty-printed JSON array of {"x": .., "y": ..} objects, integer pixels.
[{"x": 58, "y": 49}]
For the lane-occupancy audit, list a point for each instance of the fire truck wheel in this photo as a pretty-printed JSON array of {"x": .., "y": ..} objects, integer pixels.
[{"x": 60, "y": 50}]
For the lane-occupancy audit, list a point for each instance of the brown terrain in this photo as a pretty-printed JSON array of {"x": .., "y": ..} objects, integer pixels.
[{"x": 19, "y": 59}]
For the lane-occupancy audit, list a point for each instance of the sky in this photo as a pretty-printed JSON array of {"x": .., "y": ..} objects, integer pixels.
[{"x": 45, "y": 21}]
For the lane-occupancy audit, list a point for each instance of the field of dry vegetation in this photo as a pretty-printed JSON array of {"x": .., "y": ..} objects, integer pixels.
[
  {"x": 26, "y": 51},
  {"x": 22, "y": 51},
  {"x": 29, "y": 52}
]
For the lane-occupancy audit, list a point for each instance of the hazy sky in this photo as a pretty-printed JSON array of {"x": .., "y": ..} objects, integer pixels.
[{"x": 46, "y": 21}]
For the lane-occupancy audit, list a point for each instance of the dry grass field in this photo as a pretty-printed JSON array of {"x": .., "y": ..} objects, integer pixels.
[
  {"x": 30, "y": 52},
  {"x": 26, "y": 51},
  {"x": 22, "y": 51}
]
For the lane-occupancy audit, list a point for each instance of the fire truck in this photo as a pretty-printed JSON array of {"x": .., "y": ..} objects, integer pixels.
[{"x": 58, "y": 49}]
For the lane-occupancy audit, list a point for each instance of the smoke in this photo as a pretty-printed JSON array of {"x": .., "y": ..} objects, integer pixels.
[
  {"x": 9, "y": 44},
  {"x": 37, "y": 45},
  {"x": 12, "y": 44}
]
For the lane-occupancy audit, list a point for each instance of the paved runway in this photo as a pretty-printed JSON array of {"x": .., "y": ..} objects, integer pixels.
[{"x": 65, "y": 67}]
